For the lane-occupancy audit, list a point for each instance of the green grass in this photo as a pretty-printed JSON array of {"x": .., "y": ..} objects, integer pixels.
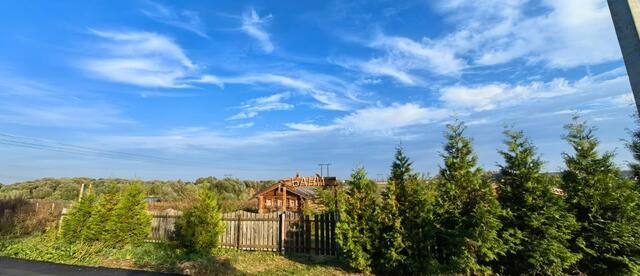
[{"x": 165, "y": 258}]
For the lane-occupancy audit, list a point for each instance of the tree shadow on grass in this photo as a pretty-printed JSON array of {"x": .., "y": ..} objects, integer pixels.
[
  {"x": 321, "y": 261},
  {"x": 164, "y": 257}
]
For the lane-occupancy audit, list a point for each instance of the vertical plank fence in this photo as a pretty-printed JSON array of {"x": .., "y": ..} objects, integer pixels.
[{"x": 288, "y": 233}]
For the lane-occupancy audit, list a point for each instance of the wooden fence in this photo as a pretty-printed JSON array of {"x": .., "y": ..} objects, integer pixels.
[{"x": 286, "y": 233}]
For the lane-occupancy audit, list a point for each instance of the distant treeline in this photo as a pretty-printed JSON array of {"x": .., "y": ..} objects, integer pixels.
[{"x": 69, "y": 188}]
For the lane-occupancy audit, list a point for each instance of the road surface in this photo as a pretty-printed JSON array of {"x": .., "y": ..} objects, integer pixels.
[{"x": 15, "y": 267}]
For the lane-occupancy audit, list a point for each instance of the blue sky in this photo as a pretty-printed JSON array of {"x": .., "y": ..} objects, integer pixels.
[{"x": 168, "y": 89}]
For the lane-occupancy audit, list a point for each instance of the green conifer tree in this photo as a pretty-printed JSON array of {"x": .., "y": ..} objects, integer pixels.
[
  {"x": 537, "y": 226},
  {"x": 467, "y": 209},
  {"x": 198, "y": 230},
  {"x": 605, "y": 206},
  {"x": 96, "y": 229},
  {"x": 356, "y": 227},
  {"x": 401, "y": 169},
  {"x": 76, "y": 223},
  {"x": 390, "y": 243},
  {"x": 130, "y": 222},
  {"x": 634, "y": 147},
  {"x": 406, "y": 220}
]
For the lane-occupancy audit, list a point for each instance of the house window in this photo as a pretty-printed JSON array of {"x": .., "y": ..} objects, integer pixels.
[{"x": 268, "y": 202}]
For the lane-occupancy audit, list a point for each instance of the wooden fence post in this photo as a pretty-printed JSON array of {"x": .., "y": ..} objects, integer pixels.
[
  {"x": 281, "y": 233},
  {"x": 238, "y": 233}
]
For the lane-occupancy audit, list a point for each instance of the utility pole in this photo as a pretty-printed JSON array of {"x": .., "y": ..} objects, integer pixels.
[
  {"x": 626, "y": 19},
  {"x": 322, "y": 165}
]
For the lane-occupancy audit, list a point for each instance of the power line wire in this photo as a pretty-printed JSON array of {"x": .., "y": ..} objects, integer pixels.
[{"x": 41, "y": 144}]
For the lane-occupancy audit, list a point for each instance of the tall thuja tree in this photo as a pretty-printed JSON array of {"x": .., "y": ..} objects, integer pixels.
[
  {"x": 390, "y": 241},
  {"x": 356, "y": 227},
  {"x": 605, "y": 206},
  {"x": 390, "y": 245},
  {"x": 75, "y": 224},
  {"x": 536, "y": 225},
  {"x": 96, "y": 227},
  {"x": 634, "y": 147},
  {"x": 406, "y": 219},
  {"x": 130, "y": 222},
  {"x": 467, "y": 209},
  {"x": 401, "y": 169}
]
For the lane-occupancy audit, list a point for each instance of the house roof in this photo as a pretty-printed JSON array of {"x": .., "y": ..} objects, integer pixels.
[{"x": 306, "y": 192}]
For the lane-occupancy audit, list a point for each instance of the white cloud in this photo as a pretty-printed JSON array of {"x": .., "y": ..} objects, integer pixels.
[
  {"x": 379, "y": 67},
  {"x": 309, "y": 127},
  {"x": 332, "y": 93},
  {"x": 193, "y": 138},
  {"x": 491, "y": 96},
  {"x": 625, "y": 99},
  {"x": 427, "y": 55},
  {"x": 245, "y": 125},
  {"x": 252, "y": 107},
  {"x": 252, "y": 24},
  {"x": 142, "y": 59},
  {"x": 32, "y": 103},
  {"x": 379, "y": 119},
  {"x": 391, "y": 117},
  {"x": 561, "y": 34},
  {"x": 558, "y": 34},
  {"x": 184, "y": 19}
]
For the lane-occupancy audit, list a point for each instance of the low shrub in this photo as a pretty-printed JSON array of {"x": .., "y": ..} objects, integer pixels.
[{"x": 199, "y": 228}]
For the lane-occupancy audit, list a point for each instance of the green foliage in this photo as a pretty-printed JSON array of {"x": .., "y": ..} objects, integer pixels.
[
  {"x": 75, "y": 223},
  {"x": 232, "y": 188},
  {"x": 634, "y": 147},
  {"x": 67, "y": 188},
  {"x": 130, "y": 222},
  {"x": 605, "y": 206},
  {"x": 467, "y": 209},
  {"x": 114, "y": 219},
  {"x": 198, "y": 230},
  {"x": 416, "y": 201},
  {"x": 401, "y": 167},
  {"x": 390, "y": 243},
  {"x": 537, "y": 226},
  {"x": 101, "y": 215},
  {"x": 356, "y": 229}
]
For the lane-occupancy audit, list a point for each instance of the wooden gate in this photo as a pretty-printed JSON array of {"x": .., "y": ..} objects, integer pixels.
[
  {"x": 310, "y": 234},
  {"x": 251, "y": 231}
]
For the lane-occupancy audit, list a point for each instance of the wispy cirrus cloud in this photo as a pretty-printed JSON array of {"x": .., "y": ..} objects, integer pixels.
[
  {"x": 332, "y": 93},
  {"x": 244, "y": 125},
  {"x": 140, "y": 58},
  {"x": 380, "y": 119},
  {"x": 490, "y": 96},
  {"x": 253, "y": 25},
  {"x": 183, "y": 19},
  {"x": 32, "y": 103},
  {"x": 253, "y": 107}
]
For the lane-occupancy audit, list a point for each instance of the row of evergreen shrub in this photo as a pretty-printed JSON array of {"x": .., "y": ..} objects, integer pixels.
[
  {"x": 116, "y": 219},
  {"x": 121, "y": 218},
  {"x": 524, "y": 222}
]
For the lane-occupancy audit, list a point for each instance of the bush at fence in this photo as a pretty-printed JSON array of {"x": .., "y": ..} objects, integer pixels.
[
  {"x": 113, "y": 219},
  {"x": 198, "y": 230}
]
